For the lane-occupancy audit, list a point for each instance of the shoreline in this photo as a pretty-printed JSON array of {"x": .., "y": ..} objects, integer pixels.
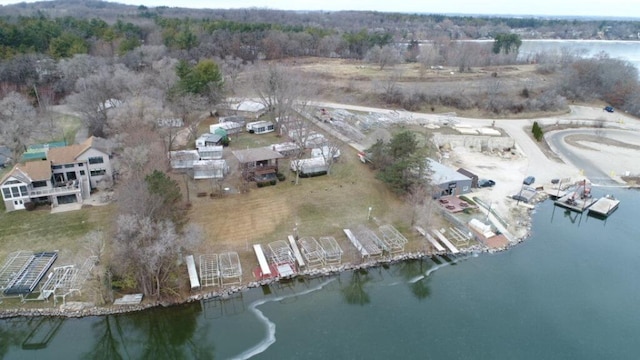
[{"x": 82, "y": 309}]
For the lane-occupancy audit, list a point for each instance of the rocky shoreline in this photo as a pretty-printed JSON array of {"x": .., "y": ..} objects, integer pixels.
[{"x": 84, "y": 309}]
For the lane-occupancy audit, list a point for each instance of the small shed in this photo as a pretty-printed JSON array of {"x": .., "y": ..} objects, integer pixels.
[{"x": 470, "y": 175}]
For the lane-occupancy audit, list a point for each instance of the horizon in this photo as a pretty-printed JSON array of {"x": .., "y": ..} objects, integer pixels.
[{"x": 541, "y": 8}]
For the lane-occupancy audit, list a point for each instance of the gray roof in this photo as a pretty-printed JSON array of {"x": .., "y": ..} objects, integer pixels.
[
  {"x": 256, "y": 154},
  {"x": 443, "y": 174}
]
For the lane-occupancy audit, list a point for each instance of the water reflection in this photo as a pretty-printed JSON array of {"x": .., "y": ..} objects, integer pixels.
[
  {"x": 15, "y": 331},
  {"x": 155, "y": 334},
  {"x": 413, "y": 271},
  {"x": 354, "y": 292}
]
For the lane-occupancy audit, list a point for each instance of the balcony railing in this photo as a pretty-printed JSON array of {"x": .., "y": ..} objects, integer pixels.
[{"x": 58, "y": 190}]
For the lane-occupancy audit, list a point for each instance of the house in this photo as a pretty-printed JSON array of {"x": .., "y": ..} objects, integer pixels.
[
  {"x": 210, "y": 169},
  {"x": 260, "y": 127},
  {"x": 470, "y": 175},
  {"x": 67, "y": 175},
  {"x": 210, "y": 152},
  {"x": 183, "y": 159},
  {"x": 258, "y": 164},
  {"x": 447, "y": 181}
]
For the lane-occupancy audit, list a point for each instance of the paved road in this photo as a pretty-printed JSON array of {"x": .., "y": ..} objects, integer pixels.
[{"x": 591, "y": 168}]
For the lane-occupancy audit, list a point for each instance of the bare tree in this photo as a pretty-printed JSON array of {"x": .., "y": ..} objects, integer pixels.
[
  {"x": 383, "y": 56},
  {"x": 279, "y": 91},
  {"x": 18, "y": 123}
]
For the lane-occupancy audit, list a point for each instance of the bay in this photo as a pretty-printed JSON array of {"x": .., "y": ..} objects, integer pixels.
[{"x": 570, "y": 291}]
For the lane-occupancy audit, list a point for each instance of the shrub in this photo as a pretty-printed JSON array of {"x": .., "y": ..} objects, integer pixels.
[{"x": 281, "y": 176}]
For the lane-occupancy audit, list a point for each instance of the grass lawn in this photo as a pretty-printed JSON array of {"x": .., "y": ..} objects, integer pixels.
[{"x": 39, "y": 230}]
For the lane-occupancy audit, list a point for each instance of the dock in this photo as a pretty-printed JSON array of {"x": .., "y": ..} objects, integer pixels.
[
  {"x": 575, "y": 203},
  {"x": 454, "y": 250},
  {"x": 193, "y": 273},
  {"x": 430, "y": 238},
  {"x": 604, "y": 206},
  {"x": 265, "y": 271},
  {"x": 296, "y": 251},
  {"x": 555, "y": 193}
]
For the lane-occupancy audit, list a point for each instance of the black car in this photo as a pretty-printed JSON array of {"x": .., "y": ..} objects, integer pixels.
[
  {"x": 486, "y": 183},
  {"x": 608, "y": 109}
]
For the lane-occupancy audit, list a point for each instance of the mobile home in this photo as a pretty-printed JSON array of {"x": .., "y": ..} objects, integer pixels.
[{"x": 260, "y": 127}]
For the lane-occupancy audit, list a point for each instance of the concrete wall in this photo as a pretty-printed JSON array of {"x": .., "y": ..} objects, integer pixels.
[{"x": 474, "y": 142}]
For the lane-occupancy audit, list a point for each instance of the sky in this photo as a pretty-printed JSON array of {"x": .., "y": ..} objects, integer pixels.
[{"x": 615, "y": 8}]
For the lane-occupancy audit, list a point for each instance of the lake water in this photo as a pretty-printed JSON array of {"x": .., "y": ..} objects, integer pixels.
[
  {"x": 625, "y": 50},
  {"x": 570, "y": 291}
]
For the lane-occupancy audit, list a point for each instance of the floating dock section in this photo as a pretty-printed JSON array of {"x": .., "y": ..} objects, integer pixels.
[
  {"x": 572, "y": 202},
  {"x": 604, "y": 206}
]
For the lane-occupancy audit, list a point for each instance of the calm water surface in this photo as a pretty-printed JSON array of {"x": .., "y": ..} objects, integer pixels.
[{"x": 571, "y": 291}]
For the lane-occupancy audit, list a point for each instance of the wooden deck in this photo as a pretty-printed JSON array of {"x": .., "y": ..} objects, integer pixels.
[{"x": 604, "y": 206}]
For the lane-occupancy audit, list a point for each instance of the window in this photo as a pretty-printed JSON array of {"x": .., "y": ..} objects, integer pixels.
[
  {"x": 81, "y": 164},
  {"x": 12, "y": 182},
  {"x": 23, "y": 191},
  {"x": 68, "y": 166},
  {"x": 81, "y": 172},
  {"x": 15, "y": 191},
  {"x": 7, "y": 193},
  {"x": 56, "y": 167},
  {"x": 37, "y": 184},
  {"x": 96, "y": 160},
  {"x": 98, "y": 172}
]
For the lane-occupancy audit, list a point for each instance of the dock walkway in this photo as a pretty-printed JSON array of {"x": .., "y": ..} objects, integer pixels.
[{"x": 445, "y": 242}]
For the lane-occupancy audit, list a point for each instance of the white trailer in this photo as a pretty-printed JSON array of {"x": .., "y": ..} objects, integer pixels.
[{"x": 260, "y": 127}]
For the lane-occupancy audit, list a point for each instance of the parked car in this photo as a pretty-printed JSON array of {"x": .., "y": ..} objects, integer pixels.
[
  {"x": 486, "y": 183},
  {"x": 608, "y": 109},
  {"x": 529, "y": 180}
]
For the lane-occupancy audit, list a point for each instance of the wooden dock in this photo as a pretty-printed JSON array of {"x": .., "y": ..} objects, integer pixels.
[{"x": 604, "y": 206}]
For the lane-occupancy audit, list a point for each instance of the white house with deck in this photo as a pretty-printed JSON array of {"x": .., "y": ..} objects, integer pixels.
[{"x": 67, "y": 175}]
